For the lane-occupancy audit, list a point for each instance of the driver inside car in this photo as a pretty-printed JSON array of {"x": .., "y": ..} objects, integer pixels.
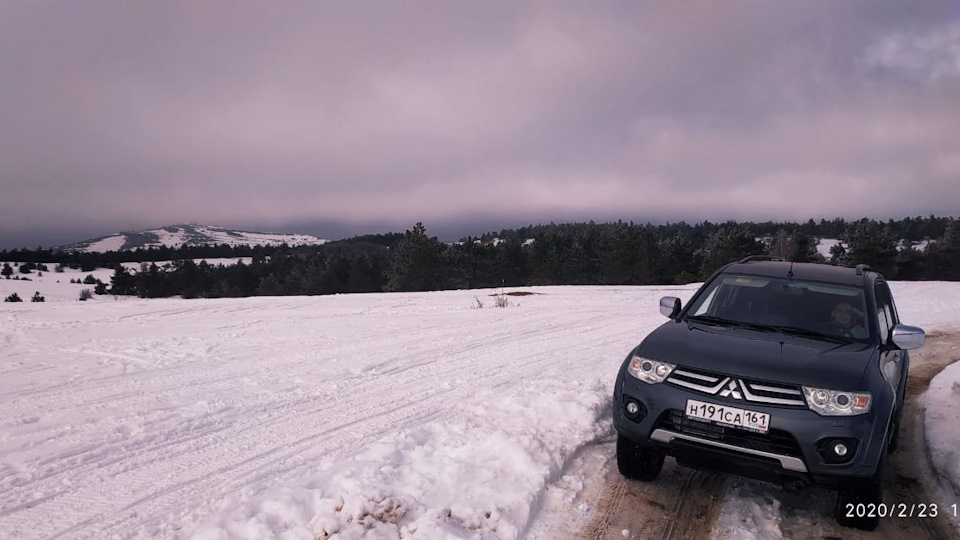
[{"x": 846, "y": 318}]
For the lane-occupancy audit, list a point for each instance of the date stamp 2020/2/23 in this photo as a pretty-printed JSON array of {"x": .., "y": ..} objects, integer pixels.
[{"x": 899, "y": 510}]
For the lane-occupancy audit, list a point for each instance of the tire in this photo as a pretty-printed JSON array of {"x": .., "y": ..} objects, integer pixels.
[
  {"x": 895, "y": 436},
  {"x": 637, "y": 462},
  {"x": 854, "y": 505}
]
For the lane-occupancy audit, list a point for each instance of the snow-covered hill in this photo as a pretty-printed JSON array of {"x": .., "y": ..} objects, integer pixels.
[{"x": 175, "y": 236}]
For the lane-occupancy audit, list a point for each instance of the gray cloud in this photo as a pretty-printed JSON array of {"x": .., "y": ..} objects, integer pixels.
[
  {"x": 930, "y": 57},
  {"x": 119, "y": 115}
]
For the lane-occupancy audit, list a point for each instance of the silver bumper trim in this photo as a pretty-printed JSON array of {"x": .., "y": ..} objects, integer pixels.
[{"x": 787, "y": 462}]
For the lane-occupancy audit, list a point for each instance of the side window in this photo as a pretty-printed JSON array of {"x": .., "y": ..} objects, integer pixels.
[
  {"x": 885, "y": 316},
  {"x": 707, "y": 302},
  {"x": 894, "y": 317}
]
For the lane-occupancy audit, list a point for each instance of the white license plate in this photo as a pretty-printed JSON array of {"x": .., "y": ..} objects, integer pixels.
[{"x": 727, "y": 416}]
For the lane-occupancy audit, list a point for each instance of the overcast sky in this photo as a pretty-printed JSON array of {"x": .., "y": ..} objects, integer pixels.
[{"x": 378, "y": 114}]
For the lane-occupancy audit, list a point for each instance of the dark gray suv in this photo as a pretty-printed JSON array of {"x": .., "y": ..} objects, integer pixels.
[{"x": 777, "y": 371}]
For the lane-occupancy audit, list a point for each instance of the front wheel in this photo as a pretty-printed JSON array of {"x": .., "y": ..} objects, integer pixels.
[
  {"x": 895, "y": 436},
  {"x": 859, "y": 506},
  {"x": 637, "y": 462}
]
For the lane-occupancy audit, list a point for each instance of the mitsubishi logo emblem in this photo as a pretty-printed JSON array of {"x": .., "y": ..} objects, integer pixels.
[{"x": 731, "y": 390}]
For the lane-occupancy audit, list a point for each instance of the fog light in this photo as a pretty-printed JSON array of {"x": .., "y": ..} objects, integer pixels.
[
  {"x": 634, "y": 410},
  {"x": 840, "y": 449},
  {"x": 837, "y": 450}
]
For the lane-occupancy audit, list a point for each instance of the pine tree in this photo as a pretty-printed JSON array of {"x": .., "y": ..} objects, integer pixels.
[
  {"x": 796, "y": 246},
  {"x": 628, "y": 255},
  {"x": 680, "y": 261},
  {"x": 270, "y": 286},
  {"x": 805, "y": 248},
  {"x": 729, "y": 244},
  {"x": 555, "y": 257},
  {"x": 121, "y": 283},
  {"x": 471, "y": 263},
  {"x": 872, "y": 244},
  {"x": 416, "y": 262},
  {"x": 943, "y": 255}
]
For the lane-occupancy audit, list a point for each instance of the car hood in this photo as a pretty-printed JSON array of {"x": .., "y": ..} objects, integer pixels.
[{"x": 762, "y": 355}]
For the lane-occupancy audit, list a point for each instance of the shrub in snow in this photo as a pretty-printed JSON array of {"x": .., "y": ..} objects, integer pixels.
[
  {"x": 13, "y": 298},
  {"x": 89, "y": 280},
  {"x": 37, "y": 297},
  {"x": 86, "y": 294}
]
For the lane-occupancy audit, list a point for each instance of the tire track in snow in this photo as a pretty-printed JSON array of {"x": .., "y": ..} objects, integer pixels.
[
  {"x": 148, "y": 482},
  {"x": 681, "y": 503}
]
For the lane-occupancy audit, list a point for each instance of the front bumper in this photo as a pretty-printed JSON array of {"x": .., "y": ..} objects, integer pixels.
[{"x": 792, "y": 449}]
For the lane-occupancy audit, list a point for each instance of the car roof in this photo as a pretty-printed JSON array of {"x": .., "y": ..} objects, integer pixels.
[{"x": 805, "y": 271}]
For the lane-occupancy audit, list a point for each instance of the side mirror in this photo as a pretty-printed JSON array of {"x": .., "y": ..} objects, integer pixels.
[
  {"x": 907, "y": 337},
  {"x": 670, "y": 306}
]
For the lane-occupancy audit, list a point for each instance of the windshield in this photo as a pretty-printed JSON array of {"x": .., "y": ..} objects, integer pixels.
[{"x": 805, "y": 307}]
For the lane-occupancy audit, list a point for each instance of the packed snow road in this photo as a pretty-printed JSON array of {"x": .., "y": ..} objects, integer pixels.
[{"x": 375, "y": 416}]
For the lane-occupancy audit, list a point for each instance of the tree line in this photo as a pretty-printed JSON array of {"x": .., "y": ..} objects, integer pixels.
[{"x": 620, "y": 253}]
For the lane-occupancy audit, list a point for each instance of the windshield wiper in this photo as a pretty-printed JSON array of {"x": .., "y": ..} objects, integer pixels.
[
  {"x": 793, "y": 330},
  {"x": 709, "y": 319}
]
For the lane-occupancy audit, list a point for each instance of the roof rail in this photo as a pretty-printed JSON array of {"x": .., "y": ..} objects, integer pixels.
[
  {"x": 861, "y": 268},
  {"x": 759, "y": 258}
]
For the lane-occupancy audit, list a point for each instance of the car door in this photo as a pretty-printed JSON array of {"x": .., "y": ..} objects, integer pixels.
[{"x": 893, "y": 361}]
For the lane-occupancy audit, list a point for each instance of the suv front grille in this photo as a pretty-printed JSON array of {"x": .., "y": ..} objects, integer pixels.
[
  {"x": 775, "y": 441},
  {"x": 746, "y": 389}
]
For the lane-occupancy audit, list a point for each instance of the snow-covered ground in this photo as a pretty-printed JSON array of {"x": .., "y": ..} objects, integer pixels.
[
  {"x": 374, "y": 416},
  {"x": 824, "y": 246},
  {"x": 57, "y": 287}
]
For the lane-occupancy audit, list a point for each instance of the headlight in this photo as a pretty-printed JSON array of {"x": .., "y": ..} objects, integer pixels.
[
  {"x": 836, "y": 403},
  {"x": 649, "y": 371}
]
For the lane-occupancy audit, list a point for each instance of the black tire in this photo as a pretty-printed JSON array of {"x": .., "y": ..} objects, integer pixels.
[
  {"x": 859, "y": 506},
  {"x": 895, "y": 436},
  {"x": 637, "y": 462}
]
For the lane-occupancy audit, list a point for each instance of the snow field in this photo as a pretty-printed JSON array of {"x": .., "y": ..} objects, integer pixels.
[{"x": 374, "y": 416}]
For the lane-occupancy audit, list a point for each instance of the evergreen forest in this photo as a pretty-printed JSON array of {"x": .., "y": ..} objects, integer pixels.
[{"x": 617, "y": 253}]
